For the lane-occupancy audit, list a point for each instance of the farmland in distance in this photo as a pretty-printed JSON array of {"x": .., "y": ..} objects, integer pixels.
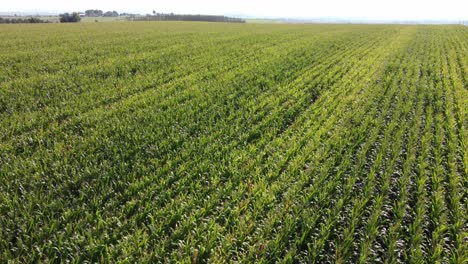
[{"x": 203, "y": 142}]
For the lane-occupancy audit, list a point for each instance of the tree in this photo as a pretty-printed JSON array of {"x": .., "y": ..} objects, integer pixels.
[
  {"x": 70, "y": 18},
  {"x": 93, "y": 12},
  {"x": 111, "y": 14}
]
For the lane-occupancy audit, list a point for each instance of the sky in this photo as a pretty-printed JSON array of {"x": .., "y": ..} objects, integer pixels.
[{"x": 358, "y": 9}]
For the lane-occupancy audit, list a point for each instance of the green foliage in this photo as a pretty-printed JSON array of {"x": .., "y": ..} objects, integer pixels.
[
  {"x": 111, "y": 14},
  {"x": 70, "y": 18},
  {"x": 29, "y": 20},
  {"x": 254, "y": 143}
]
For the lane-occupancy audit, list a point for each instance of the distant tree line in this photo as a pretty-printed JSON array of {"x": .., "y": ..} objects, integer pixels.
[
  {"x": 111, "y": 14},
  {"x": 100, "y": 13},
  {"x": 31, "y": 20},
  {"x": 70, "y": 18},
  {"x": 129, "y": 14},
  {"x": 93, "y": 13},
  {"x": 175, "y": 17}
]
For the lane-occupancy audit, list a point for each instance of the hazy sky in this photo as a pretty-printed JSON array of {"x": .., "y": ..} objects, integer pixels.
[{"x": 365, "y": 9}]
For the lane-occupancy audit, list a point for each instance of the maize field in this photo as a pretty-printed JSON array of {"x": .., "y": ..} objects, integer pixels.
[{"x": 186, "y": 142}]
